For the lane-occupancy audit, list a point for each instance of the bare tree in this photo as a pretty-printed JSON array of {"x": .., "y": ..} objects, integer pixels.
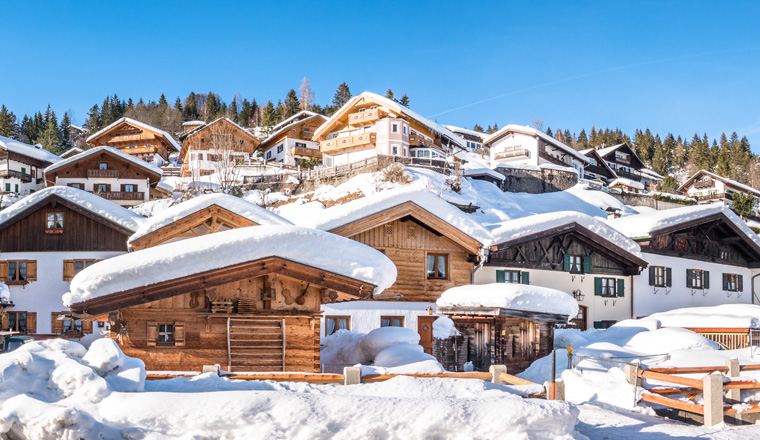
[
  {"x": 225, "y": 151},
  {"x": 537, "y": 123},
  {"x": 306, "y": 95}
]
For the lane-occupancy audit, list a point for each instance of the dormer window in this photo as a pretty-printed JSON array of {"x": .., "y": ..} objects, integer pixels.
[{"x": 54, "y": 224}]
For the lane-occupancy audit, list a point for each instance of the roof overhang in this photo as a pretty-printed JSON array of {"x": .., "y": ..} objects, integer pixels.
[{"x": 491, "y": 312}]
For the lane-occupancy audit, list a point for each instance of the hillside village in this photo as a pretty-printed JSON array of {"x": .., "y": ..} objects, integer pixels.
[{"x": 375, "y": 244}]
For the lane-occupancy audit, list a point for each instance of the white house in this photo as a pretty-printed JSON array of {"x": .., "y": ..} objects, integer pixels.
[
  {"x": 112, "y": 174},
  {"x": 697, "y": 256},
  {"x": 22, "y": 165},
  {"x": 521, "y": 145},
  {"x": 291, "y": 142},
  {"x": 45, "y": 239},
  {"x": 708, "y": 187},
  {"x": 473, "y": 139}
]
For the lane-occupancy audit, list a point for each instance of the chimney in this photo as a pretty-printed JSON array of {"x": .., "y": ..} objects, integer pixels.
[{"x": 613, "y": 213}]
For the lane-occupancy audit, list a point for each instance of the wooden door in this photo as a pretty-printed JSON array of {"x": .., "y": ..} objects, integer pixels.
[
  {"x": 580, "y": 321},
  {"x": 425, "y": 329}
]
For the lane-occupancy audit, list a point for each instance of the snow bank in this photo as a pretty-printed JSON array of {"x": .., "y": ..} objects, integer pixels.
[
  {"x": 626, "y": 182},
  {"x": 514, "y": 229},
  {"x": 443, "y": 328},
  {"x": 236, "y": 205},
  {"x": 726, "y": 316},
  {"x": 521, "y": 297},
  {"x": 95, "y": 204},
  {"x": 227, "y": 248}
]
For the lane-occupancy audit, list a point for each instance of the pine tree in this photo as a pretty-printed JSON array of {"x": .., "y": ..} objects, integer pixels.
[
  {"x": 660, "y": 157},
  {"x": 723, "y": 165},
  {"x": 291, "y": 106},
  {"x": 342, "y": 95},
  {"x": 213, "y": 107},
  {"x": 389, "y": 95},
  {"x": 190, "y": 112},
  {"x": 65, "y": 130},
  {"x": 549, "y": 131},
  {"x": 50, "y": 137},
  {"x": 162, "y": 102},
  {"x": 495, "y": 127},
  {"x": 404, "y": 100},
  {"x": 269, "y": 115},
  {"x": 478, "y": 128},
  {"x": 558, "y": 136},
  {"x": 582, "y": 141},
  {"x": 178, "y": 105},
  {"x": 568, "y": 138},
  {"x": 7, "y": 122}
]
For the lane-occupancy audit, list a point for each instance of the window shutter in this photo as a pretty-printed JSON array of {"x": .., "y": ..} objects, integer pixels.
[
  {"x": 68, "y": 270},
  {"x": 525, "y": 277},
  {"x": 668, "y": 277},
  {"x": 651, "y": 275},
  {"x": 689, "y": 275},
  {"x": 179, "y": 334},
  {"x": 151, "y": 333},
  {"x": 501, "y": 277},
  {"x": 597, "y": 286},
  {"x": 599, "y": 325},
  {"x": 566, "y": 264},
  {"x": 31, "y": 322},
  {"x": 740, "y": 283},
  {"x": 586, "y": 264},
  {"x": 31, "y": 270},
  {"x": 621, "y": 288},
  {"x": 706, "y": 279},
  {"x": 56, "y": 325},
  {"x": 87, "y": 327},
  {"x": 725, "y": 281},
  {"x": 3, "y": 271},
  {"x": 4, "y": 321}
]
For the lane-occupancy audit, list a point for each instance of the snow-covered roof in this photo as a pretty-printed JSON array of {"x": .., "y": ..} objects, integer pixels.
[
  {"x": 298, "y": 116},
  {"x": 137, "y": 123},
  {"x": 646, "y": 224},
  {"x": 31, "y": 151},
  {"x": 521, "y": 297},
  {"x": 626, "y": 182},
  {"x": 284, "y": 128},
  {"x": 90, "y": 202},
  {"x": 398, "y": 108},
  {"x": 726, "y": 180},
  {"x": 522, "y": 227},
  {"x": 231, "y": 203},
  {"x": 109, "y": 150},
  {"x": 340, "y": 215},
  {"x": 607, "y": 150},
  {"x": 721, "y": 316},
  {"x": 456, "y": 129},
  {"x": 70, "y": 152},
  {"x": 524, "y": 129},
  {"x": 191, "y": 123},
  {"x": 204, "y": 126},
  {"x": 650, "y": 173},
  {"x": 197, "y": 255}
]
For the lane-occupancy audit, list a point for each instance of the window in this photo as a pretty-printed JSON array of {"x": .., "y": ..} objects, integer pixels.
[
  {"x": 18, "y": 271},
  {"x": 63, "y": 322},
  {"x": 7, "y": 187},
  {"x": 733, "y": 282},
  {"x": 437, "y": 266},
  {"x": 102, "y": 166},
  {"x": 203, "y": 140},
  {"x": 404, "y": 129},
  {"x": 22, "y": 322},
  {"x": 335, "y": 323},
  {"x": 300, "y": 144},
  {"x": 101, "y": 187},
  {"x": 269, "y": 154},
  {"x": 394, "y": 128},
  {"x": 394, "y": 150},
  {"x": 23, "y": 170},
  {"x": 73, "y": 267},
  {"x": 601, "y": 325},
  {"x": 697, "y": 279},
  {"x": 16, "y": 190},
  {"x": 165, "y": 333},
  {"x": 660, "y": 276},
  {"x": 280, "y": 148},
  {"x": 76, "y": 185},
  {"x": 577, "y": 264},
  {"x": 54, "y": 223},
  {"x": 132, "y": 146},
  {"x": 610, "y": 287},
  {"x": 509, "y": 276},
  {"x": 130, "y": 187},
  {"x": 391, "y": 321}
]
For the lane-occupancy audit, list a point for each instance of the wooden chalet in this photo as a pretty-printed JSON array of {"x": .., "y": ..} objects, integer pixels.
[
  {"x": 570, "y": 252},
  {"x": 108, "y": 173},
  {"x": 291, "y": 142},
  {"x": 22, "y": 165},
  {"x": 708, "y": 187},
  {"x": 242, "y": 307},
  {"x": 201, "y": 215},
  {"x": 623, "y": 160},
  {"x": 597, "y": 168},
  {"x": 136, "y": 138},
  {"x": 203, "y": 145}
]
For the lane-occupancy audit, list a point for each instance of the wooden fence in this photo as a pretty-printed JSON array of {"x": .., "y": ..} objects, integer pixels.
[{"x": 711, "y": 386}]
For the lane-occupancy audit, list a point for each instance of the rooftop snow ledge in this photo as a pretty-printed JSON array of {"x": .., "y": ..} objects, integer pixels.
[
  {"x": 522, "y": 297},
  {"x": 310, "y": 247}
]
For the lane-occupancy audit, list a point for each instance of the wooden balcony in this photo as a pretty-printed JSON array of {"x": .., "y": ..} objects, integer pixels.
[
  {"x": 365, "y": 117},
  {"x": 103, "y": 174},
  {"x": 308, "y": 152},
  {"x": 704, "y": 184},
  {"x": 549, "y": 158},
  {"x": 519, "y": 152},
  {"x": 709, "y": 197},
  {"x": 347, "y": 142},
  {"x": 17, "y": 174},
  {"x": 132, "y": 138},
  {"x": 120, "y": 195},
  {"x": 627, "y": 175},
  {"x": 138, "y": 150}
]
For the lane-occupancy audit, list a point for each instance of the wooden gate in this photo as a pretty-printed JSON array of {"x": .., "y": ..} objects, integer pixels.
[
  {"x": 255, "y": 344},
  {"x": 425, "y": 329}
]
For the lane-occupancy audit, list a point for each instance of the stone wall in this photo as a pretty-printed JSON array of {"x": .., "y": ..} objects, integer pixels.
[
  {"x": 646, "y": 200},
  {"x": 536, "y": 181}
]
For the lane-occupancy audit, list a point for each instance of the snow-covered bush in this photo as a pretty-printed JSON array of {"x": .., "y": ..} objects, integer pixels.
[{"x": 395, "y": 173}]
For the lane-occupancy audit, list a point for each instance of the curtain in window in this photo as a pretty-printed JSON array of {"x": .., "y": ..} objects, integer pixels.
[
  {"x": 22, "y": 322},
  {"x": 431, "y": 265},
  {"x": 329, "y": 326},
  {"x": 22, "y": 270},
  {"x": 441, "y": 266},
  {"x": 12, "y": 271},
  {"x": 343, "y": 323},
  {"x": 385, "y": 322}
]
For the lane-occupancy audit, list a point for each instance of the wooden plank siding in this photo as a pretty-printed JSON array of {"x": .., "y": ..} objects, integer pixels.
[
  {"x": 80, "y": 169},
  {"x": 80, "y": 233},
  {"x": 119, "y": 138}
]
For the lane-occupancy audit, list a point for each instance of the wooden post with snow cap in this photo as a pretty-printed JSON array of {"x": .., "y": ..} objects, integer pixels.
[
  {"x": 712, "y": 395},
  {"x": 352, "y": 375},
  {"x": 734, "y": 371},
  {"x": 496, "y": 371},
  {"x": 632, "y": 372}
]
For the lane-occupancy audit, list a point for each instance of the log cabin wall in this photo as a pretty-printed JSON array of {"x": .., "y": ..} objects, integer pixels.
[
  {"x": 248, "y": 145},
  {"x": 134, "y": 140},
  {"x": 205, "y": 333},
  {"x": 407, "y": 244},
  {"x": 80, "y": 233},
  {"x": 119, "y": 167}
]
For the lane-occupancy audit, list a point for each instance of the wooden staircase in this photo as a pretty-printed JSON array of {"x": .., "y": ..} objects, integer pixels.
[{"x": 255, "y": 344}]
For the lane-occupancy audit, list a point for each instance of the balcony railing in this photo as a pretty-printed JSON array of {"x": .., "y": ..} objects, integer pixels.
[
  {"x": 365, "y": 117},
  {"x": 716, "y": 196},
  {"x": 114, "y": 174},
  {"x": 549, "y": 158},
  {"x": 301, "y": 151},
  {"x": 347, "y": 142},
  {"x": 120, "y": 195},
  {"x": 138, "y": 150},
  {"x": 704, "y": 184},
  {"x": 518, "y": 152},
  {"x": 17, "y": 174},
  {"x": 627, "y": 175}
]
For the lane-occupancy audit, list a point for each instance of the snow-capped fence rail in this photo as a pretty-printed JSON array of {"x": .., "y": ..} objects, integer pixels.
[{"x": 717, "y": 382}]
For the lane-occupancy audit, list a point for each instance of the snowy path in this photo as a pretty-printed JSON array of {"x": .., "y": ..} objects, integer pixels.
[{"x": 598, "y": 423}]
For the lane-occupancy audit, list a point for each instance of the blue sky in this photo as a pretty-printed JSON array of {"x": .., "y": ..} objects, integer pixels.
[{"x": 680, "y": 67}]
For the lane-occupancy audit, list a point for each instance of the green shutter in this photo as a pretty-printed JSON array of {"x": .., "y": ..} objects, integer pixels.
[
  {"x": 599, "y": 325},
  {"x": 597, "y": 286},
  {"x": 586, "y": 264},
  {"x": 621, "y": 288},
  {"x": 525, "y": 277},
  {"x": 567, "y": 265},
  {"x": 689, "y": 277},
  {"x": 740, "y": 283},
  {"x": 501, "y": 276}
]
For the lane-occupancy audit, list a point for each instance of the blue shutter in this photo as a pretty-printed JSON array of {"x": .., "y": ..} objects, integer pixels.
[
  {"x": 567, "y": 264},
  {"x": 501, "y": 276},
  {"x": 597, "y": 286},
  {"x": 525, "y": 277},
  {"x": 621, "y": 288}
]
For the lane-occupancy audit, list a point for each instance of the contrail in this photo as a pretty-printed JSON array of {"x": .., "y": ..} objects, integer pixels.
[{"x": 599, "y": 72}]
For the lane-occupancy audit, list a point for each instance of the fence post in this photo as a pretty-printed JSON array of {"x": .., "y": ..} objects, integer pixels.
[
  {"x": 559, "y": 390},
  {"x": 712, "y": 395},
  {"x": 496, "y": 371},
  {"x": 212, "y": 369},
  {"x": 352, "y": 375},
  {"x": 631, "y": 373},
  {"x": 734, "y": 370}
]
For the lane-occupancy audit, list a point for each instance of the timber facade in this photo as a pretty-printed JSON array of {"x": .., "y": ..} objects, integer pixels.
[
  {"x": 208, "y": 148},
  {"x": 291, "y": 143},
  {"x": 136, "y": 138}
]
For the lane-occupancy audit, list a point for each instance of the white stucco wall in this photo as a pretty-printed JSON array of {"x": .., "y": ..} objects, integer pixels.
[
  {"x": 366, "y": 315},
  {"x": 530, "y": 143}
]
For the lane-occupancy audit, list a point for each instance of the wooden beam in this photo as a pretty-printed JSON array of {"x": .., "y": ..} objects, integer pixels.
[
  {"x": 668, "y": 378},
  {"x": 672, "y": 403}
]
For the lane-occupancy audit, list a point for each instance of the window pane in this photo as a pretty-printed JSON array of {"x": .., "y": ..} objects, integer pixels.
[
  {"x": 50, "y": 221},
  {"x": 385, "y": 322},
  {"x": 442, "y": 266},
  {"x": 397, "y": 322},
  {"x": 343, "y": 323},
  {"x": 78, "y": 266},
  {"x": 59, "y": 220},
  {"x": 12, "y": 270},
  {"x": 22, "y": 270},
  {"x": 329, "y": 326},
  {"x": 11, "y": 321},
  {"x": 66, "y": 325},
  {"x": 431, "y": 265},
  {"x": 22, "y": 322}
]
